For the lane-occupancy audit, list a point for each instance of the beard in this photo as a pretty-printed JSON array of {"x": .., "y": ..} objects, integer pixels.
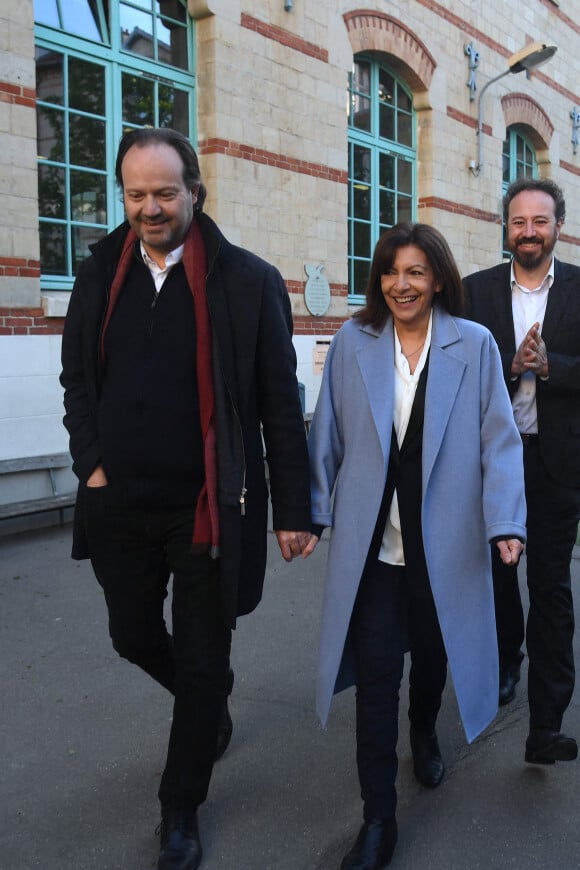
[{"x": 533, "y": 259}]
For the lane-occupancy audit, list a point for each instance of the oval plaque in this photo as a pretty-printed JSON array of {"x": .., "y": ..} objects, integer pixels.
[{"x": 317, "y": 290}]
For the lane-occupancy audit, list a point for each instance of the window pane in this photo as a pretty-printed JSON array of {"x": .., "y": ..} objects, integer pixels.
[
  {"x": 362, "y": 240},
  {"x": 362, "y": 201},
  {"x": 51, "y": 191},
  {"x": 82, "y": 237},
  {"x": 386, "y": 88},
  {"x": 360, "y": 277},
  {"x": 172, "y": 9},
  {"x": 50, "y": 133},
  {"x": 403, "y": 208},
  {"x": 50, "y": 76},
  {"x": 405, "y": 175},
  {"x": 86, "y": 90},
  {"x": 386, "y": 122},
  {"x": 136, "y": 31},
  {"x": 361, "y": 112},
  {"x": 46, "y": 12},
  {"x": 387, "y": 206},
  {"x": 386, "y": 170},
  {"x": 53, "y": 249},
  {"x": 173, "y": 109},
  {"x": 138, "y": 101},
  {"x": 88, "y": 197},
  {"x": 78, "y": 18},
  {"x": 361, "y": 168},
  {"x": 87, "y": 142},
  {"x": 405, "y": 129},
  {"x": 404, "y": 101},
  {"x": 172, "y": 44}
]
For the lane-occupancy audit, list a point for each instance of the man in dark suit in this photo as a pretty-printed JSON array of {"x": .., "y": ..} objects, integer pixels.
[{"x": 532, "y": 307}]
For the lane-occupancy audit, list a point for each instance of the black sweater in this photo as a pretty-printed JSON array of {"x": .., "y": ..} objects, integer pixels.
[{"x": 149, "y": 425}]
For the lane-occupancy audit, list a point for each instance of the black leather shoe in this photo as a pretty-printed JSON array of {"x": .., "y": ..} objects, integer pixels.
[
  {"x": 509, "y": 677},
  {"x": 374, "y": 846},
  {"x": 226, "y": 725},
  {"x": 180, "y": 844},
  {"x": 547, "y": 747},
  {"x": 428, "y": 765}
]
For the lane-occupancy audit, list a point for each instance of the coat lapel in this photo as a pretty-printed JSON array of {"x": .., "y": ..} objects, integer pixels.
[
  {"x": 503, "y": 328},
  {"x": 558, "y": 301},
  {"x": 446, "y": 368},
  {"x": 376, "y": 360}
]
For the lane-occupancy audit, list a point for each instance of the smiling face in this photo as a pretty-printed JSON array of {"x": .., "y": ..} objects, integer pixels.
[
  {"x": 532, "y": 229},
  {"x": 408, "y": 288},
  {"x": 158, "y": 204}
]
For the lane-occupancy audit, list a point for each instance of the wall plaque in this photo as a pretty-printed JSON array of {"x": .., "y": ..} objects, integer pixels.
[{"x": 317, "y": 290}]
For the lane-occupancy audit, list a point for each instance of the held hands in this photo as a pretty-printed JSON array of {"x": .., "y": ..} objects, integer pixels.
[
  {"x": 510, "y": 551},
  {"x": 295, "y": 544},
  {"x": 531, "y": 355}
]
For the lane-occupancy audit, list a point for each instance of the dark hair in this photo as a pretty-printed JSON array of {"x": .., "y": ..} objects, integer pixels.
[
  {"x": 546, "y": 185},
  {"x": 164, "y": 136},
  {"x": 440, "y": 258}
]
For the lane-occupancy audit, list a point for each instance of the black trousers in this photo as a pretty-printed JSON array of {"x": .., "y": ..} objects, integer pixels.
[
  {"x": 134, "y": 551},
  {"x": 384, "y": 624},
  {"x": 553, "y": 514}
]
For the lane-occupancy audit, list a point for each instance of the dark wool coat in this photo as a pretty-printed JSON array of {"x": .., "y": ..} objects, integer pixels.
[{"x": 254, "y": 374}]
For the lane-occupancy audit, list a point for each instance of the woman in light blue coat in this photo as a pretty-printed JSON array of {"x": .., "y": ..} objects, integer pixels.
[{"x": 416, "y": 466}]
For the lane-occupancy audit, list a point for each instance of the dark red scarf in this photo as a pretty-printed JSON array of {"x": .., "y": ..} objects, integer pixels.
[{"x": 206, "y": 528}]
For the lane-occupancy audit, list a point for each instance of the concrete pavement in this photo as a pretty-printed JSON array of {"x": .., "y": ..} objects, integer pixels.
[{"x": 83, "y": 736}]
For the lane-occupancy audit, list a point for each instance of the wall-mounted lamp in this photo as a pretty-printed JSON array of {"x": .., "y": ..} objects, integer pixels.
[
  {"x": 527, "y": 58},
  {"x": 288, "y": 4}
]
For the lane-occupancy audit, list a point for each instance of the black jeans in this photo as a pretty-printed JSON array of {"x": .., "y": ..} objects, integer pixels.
[
  {"x": 384, "y": 624},
  {"x": 134, "y": 551}
]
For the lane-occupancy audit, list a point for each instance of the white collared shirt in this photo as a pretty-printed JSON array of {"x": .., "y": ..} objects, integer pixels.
[
  {"x": 404, "y": 395},
  {"x": 158, "y": 274},
  {"x": 528, "y": 307}
]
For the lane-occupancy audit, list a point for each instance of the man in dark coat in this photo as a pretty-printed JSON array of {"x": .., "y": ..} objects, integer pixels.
[
  {"x": 532, "y": 307},
  {"x": 177, "y": 354}
]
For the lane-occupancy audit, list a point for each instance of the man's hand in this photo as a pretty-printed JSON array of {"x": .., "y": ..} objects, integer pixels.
[
  {"x": 98, "y": 477},
  {"x": 292, "y": 543},
  {"x": 510, "y": 551},
  {"x": 532, "y": 354}
]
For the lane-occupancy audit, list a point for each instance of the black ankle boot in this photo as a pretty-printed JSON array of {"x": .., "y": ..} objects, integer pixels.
[
  {"x": 180, "y": 843},
  {"x": 427, "y": 762},
  {"x": 374, "y": 846}
]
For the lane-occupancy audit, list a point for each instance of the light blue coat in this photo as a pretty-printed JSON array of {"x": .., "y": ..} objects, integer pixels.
[{"x": 473, "y": 491}]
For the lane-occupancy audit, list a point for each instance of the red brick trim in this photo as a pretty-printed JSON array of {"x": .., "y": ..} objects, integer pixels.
[
  {"x": 371, "y": 30},
  {"x": 270, "y": 158},
  {"x": 297, "y": 288},
  {"x": 284, "y": 37},
  {"x": 317, "y": 325},
  {"x": 569, "y": 240},
  {"x": 16, "y": 95},
  {"x": 468, "y": 120},
  {"x": 569, "y": 22},
  {"x": 19, "y": 267},
  {"x": 29, "y": 321},
  {"x": 569, "y": 167},
  {"x": 441, "y": 204},
  {"x": 521, "y": 109}
]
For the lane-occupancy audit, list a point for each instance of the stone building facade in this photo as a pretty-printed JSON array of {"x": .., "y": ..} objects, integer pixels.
[{"x": 317, "y": 125}]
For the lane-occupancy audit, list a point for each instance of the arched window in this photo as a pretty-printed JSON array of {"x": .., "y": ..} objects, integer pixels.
[
  {"x": 519, "y": 160},
  {"x": 102, "y": 67},
  {"x": 381, "y": 163}
]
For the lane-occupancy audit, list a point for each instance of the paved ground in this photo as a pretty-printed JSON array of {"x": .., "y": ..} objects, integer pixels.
[{"x": 83, "y": 737}]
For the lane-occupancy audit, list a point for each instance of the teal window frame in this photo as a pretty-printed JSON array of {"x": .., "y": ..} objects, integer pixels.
[
  {"x": 518, "y": 160},
  {"x": 121, "y": 69},
  {"x": 382, "y": 170}
]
